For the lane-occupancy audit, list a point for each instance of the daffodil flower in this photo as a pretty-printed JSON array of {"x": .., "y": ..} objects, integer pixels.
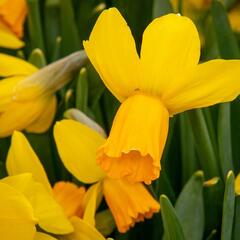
[
  {"x": 129, "y": 203},
  {"x": 164, "y": 80},
  {"x": 12, "y": 17},
  {"x": 27, "y": 99},
  {"x": 58, "y": 209}
]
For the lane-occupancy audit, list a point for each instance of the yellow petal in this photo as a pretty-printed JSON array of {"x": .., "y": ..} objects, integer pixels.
[
  {"x": 45, "y": 120},
  {"x": 70, "y": 197},
  {"x": 22, "y": 158},
  {"x": 77, "y": 145},
  {"x": 7, "y": 86},
  {"x": 48, "y": 212},
  {"x": 10, "y": 66},
  {"x": 43, "y": 236},
  {"x": 129, "y": 203},
  {"x": 170, "y": 48},
  {"x": 25, "y": 113},
  {"x": 8, "y": 39},
  {"x": 16, "y": 219},
  {"x": 134, "y": 147},
  {"x": 93, "y": 199},
  {"x": 112, "y": 51},
  {"x": 82, "y": 231},
  {"x": 237, "y": 184},
  {"x": 210, "y": 83}
]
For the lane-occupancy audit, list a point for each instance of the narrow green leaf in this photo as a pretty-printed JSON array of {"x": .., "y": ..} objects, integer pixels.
[
  {"x": 163, "y": 186},
  {"x": 172, "y": 227},
  {"x": 188, "y": 151},
  {"x": 204, "y": 146},
  {"x": 35, "y": 25},
  {"x": 37, "y": 58},
  {"x": 190, "y": 209},
  {"x": 57, "y": 49},
  {"x": 228, "y": 48},
  {"x": 228, "y": 208},
  {"x": 213, "y": 203},
  {"x": 236, "y": 225},
  {"x": 69, "y": 31},
  {"x": 161, "y": 7},
  {"x": 226, "y": 40},
  {"x": 82, "y": 91},
  {"x": 212, "y": 235},
  {"x": 224, "y": 138},
  {"x": 51, "y": 25}
]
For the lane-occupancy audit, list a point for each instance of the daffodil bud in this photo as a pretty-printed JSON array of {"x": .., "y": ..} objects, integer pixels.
[{"x": 50, "y": 78}]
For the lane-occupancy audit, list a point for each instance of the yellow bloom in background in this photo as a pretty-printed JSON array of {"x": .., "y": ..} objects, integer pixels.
[
  {"x": 163, "y": 81},
  {"x": 58, "y": 209},
  {"x": 27, "y": 99},
  {"x": 12, "y": 16},
  {"x": 234, "y": 18},
  {"x": 129, "y": 203}
]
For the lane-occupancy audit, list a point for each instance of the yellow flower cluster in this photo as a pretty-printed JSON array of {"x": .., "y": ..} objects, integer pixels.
[{"x": 165, "y": 79}]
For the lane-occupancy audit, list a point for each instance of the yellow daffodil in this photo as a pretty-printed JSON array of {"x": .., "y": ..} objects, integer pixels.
[
  {"x": 129, "y": 202},
  {"x": 27, "y": 99},
  {"x": 12, "y": 17},
  {"x": 58, "y": 210},
  {"x": 164, "y": 80}
]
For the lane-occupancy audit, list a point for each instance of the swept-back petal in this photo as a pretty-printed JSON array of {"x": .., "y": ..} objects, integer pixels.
[
  {"x": 77, "y": 145},
  {"x": 10, "y": 66},
  {"x": 82, "y": 231},
  {"x": 210, "y": 83},
  {"x": 92, "y": 201},
  {"x": 45, "y": 120},
  {"x": 170, "y": 49},
  {"x": 22, "y": 158},
  {"x": 16, "y": 219},
  {"x": 112, "y": 51}
]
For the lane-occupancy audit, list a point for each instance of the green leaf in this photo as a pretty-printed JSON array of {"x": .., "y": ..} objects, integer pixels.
[
  {"x": 224, "y": 138},
  {"x": 69, "y": 31},
  {"x": 51, "y": 25},
  {"x": 188, "y": 151},
  {"x": 226, "y": 40},
  {"x": 236, "y": 227},
  {"x": 35, "y": 25},
  {"x": 82, "y": 91},
  {"x": 228, "y": 48},
  {"x": 204, "y": 146},
  {"x": 213, "y": 202},
  {"x": 212, "y": 235},
  {"x": 228, "y": 208},
  {"x": 190, "y": 209},
  {"x": 172, "y": 227},
  {"x": 37, "y": 58},
  {"x": 161, "y": 7}
]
